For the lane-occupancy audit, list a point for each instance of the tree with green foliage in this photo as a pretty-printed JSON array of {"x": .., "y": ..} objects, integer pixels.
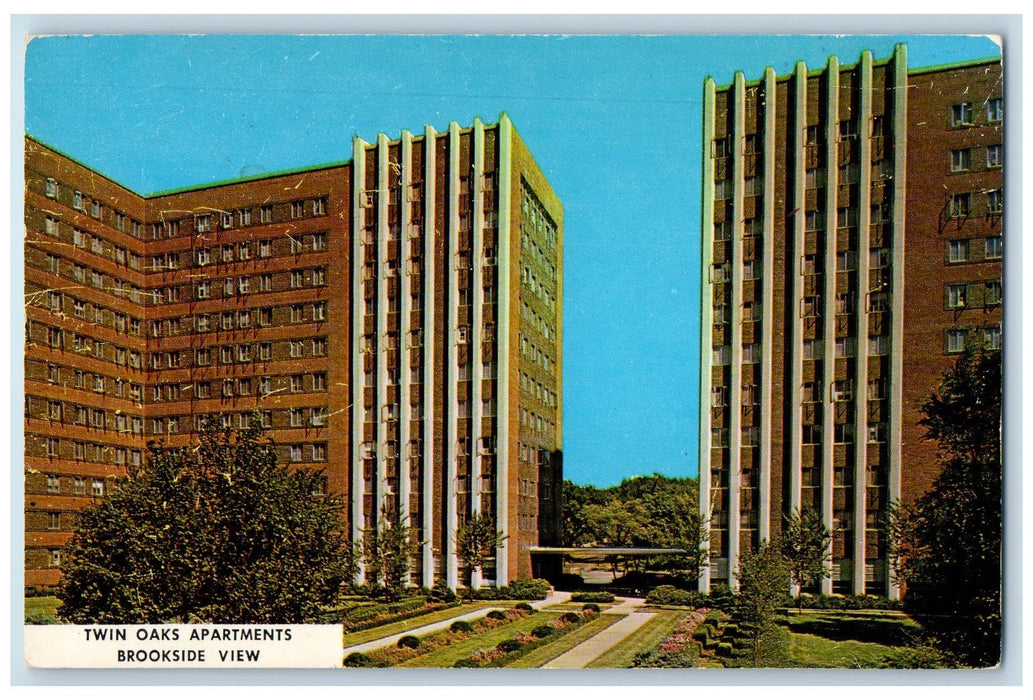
[
  {"x": 216, "y": 532},
  {"x": 477, "y": 540},
  {"x": 947, "y": 545},
  {"x": 763, "y": 580},
  {"x": 576, "y": 528},
  {"x": 805, "y": 544},
  {"x": 387, "y": 552}
]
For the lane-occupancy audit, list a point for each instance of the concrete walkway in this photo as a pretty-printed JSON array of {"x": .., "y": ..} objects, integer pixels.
[
  {"x": 391, "y": 640},
  {"x": 592, "y": 648}
]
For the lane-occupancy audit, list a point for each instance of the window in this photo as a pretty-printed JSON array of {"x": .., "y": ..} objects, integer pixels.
[
  {"x": 961, "y": 160},
  {"x": 319, "y": 347},
  {"x": 844, "y": 303},
  {"x": 265, "y": 214},
  {"x": 994, "y": 109},
  {"x": 722, "y": 189},
  {"x": 319, "y": 381},
  {"x": 994, "y": 156},
  {"x": 750, "y": 352},
  {"x": 812, "y": 349},
  {"x": 77, "y": 200},
  {"x": 878, "y": 301},
  {"x": 843, "y": 390},
  {"x": 719, "y": 396},
  {"x": 318, "y": 241},
  {"x": 957, "y": 251},
  {"x": 956, "y": 296},
  {"x": 319, "y": 206},
  {"x": 53, "y": 483},
  {"x": 318, "y": 276},
  {"x": 811, "y": 392},
  {"x": 846, "y": 347},
  {"x": 203, "y": 223},
  {"x": 814, "y": 220},
  {"x": 878, "y": 344},
  {"x": 992, "y": 294},
  {"x": 79, "y": 486},
  {"x": 994, "y": 202},
  {"x": 204, "y": 289},
  {"x": 846, "y": 217},
  {"x": 51, "y": 188},
  {"x": 961, "y": 114},
  {"x": 244, "y": 217},
  {"x": 994, "y": 247},
  {"x": 844, "y": 433},
  {"x": 956, "y": 338},
  {"x": 722, "y": 355},
  {"x": 879, "y": 258},
  {"x": 959, "y": 205},
  {"x": 720, "y": 149},
  {"x": 814, "y": 178},
  {"x": 204, "y": 256},
  {"x": 297, "y": 210},
  {"x": 847, "y": 130},
  {"x": 98, "y": 487},
  {"x": 720, "y": 272},
  {"x": 749, "y": 269},
  {"x": 811, "y": 434},
  {"x": 846, "y": 260},
  {"x": 297, "y": 348},
  {"x": 53, "y": 521},
  {"x": 992, "y": 338},
  {"x": 295, "y": 453},
  {"x": 319, "y": 311},
  {"x": 297, "y": 279}
]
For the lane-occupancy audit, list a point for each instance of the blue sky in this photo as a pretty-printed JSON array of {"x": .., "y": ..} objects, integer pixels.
[{"x": 614, "y": 122}]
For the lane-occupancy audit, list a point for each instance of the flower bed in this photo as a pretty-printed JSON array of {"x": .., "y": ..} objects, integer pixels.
[
  {"x": 393, "y": 656},
  {"x": 679, "y": 649},
  {"x": 508, "y": 650}
]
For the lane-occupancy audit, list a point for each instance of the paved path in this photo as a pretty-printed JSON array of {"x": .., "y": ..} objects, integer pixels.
[
  {"x": 592, "y": 648},
  {"x": 552, "y": 598}
]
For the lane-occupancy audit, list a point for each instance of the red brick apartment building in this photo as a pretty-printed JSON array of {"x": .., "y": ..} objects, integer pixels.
[
  {"x": 852, "y": 244},
  {"x": 396, "y": 319}
]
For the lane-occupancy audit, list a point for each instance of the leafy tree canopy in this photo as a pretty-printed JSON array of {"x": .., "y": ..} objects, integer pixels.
[
  {"x": 217, "y": 532},
  {"x": 947, "y": 545}
]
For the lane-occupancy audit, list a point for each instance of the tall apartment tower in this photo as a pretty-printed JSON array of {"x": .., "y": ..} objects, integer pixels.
[
  {"x": 395, "y": 319},
  {"x": 852, "y": 242}
]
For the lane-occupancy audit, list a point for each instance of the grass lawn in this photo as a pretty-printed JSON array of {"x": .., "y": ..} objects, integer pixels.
[
  {"x": 544, "y": 654},
  {"x": 363, "y": 636},
  {"x": 643, "y": 639},
  {"x": 812, "y": 651},
  {"x": 444, "y": 658},
  {"x": 42, "y": 607}
]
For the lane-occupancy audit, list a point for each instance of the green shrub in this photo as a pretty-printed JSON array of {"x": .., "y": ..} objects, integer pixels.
[
  {"x": 461, "y": 626},
  {"x": 542, "y": 631},
  {"x": 40, "y": 617},
  {"x": 724, "y": 649},
  {"x": 730, "y": 630},
  {"x": 571, "y": 617},
  {"x": 669, "y": 595},
  {"x": 590, "y": 607},
  {"x": 360, "y": 660},
  {"x": 594, "y": 597},
  {"x": 496, "y": 615},
  {"x": 443, "y": 593},
  {"x": 527, "y": 589},
  {"x": 508, "y": 645},
  {"x": 409, "y": 642},
  {"x": 721, "y": 598},
  {"x": 713, "y": 618},
  {"x": 701, "y": 635},
  {"x": 526, "y": 607},
  {"x": 466, "y": 663}
]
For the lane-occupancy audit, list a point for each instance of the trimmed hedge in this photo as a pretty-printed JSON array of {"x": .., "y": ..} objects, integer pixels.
[
  {"x": 360, "y": 660},
  {"x": 590, "y": 607},
  {"x": 596, "y": 597},
  {"x": 461, "y": 626},
  {"x": 409, "y": 642},
  {"x": 509, "y": 645},
  {"x": 724, "y": 649},
  {"x": 523, "y": 606},
  {"x": 542, "y": 631},
  {"x": 496, "y": 615},
  {"x": 669, "y": 595},
  {"x": 466, "y": 663},
  {"x": 848, "y": 602}
]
